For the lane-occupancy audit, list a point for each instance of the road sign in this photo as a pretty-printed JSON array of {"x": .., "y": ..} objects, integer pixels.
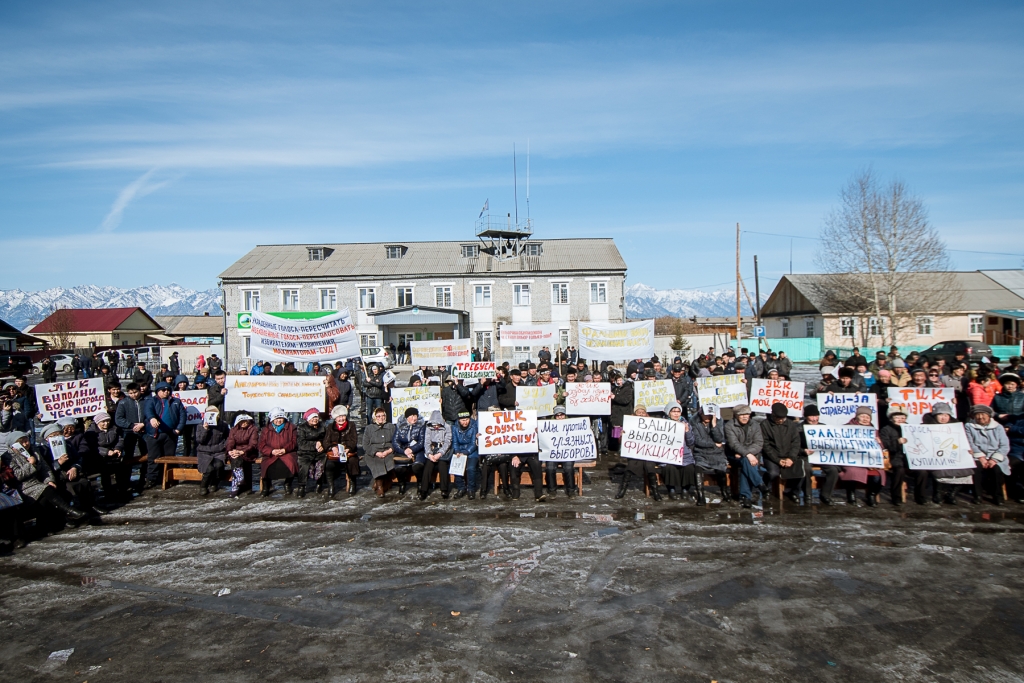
[{"x": 759, "y": 331}]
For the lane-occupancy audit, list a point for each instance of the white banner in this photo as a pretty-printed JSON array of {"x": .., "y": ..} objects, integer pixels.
[
  {"x": 839, "y": 409},
  {"x": 765, "y": 392},
  {"x": 440, "y": 352},
  {"x": 329, "y": 338},
  {"x": 474, "y": 370},
  {"x": 723, "y": 391},
  {"x": 195, "y": 405},
  {"x": 528, "y": 335},
  {"x": 917, "y": 402},
  {"x": 654, "y": 439},
  {"x": 508, "y": 431},
  {"x": 425, "y": 399},
  {"x": 74, "y": 398},
  {"x": 843, "y": 446},
  {"x": 567, "y": 440},
  {"x": 621, "y": 341},
  {"x": 261, "y": 393},
  {"x": 588, "y": 398},
  {"x": 457, "y": 467},
  {"x": 541, "y": 399},
  {"x": 937, "y": 447},
  {"x": 653, "y": 394}
]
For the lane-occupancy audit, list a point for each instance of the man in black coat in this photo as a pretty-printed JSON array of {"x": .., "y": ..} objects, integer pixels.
[{"x": 782, "y": 454}]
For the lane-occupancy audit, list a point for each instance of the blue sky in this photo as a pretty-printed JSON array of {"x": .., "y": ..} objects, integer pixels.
[{"x": 157, "y": 142}]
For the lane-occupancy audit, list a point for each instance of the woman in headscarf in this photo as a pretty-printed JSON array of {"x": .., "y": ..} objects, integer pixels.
[
  {"x": 341, "y": 444},
  {"x": 377, "y": 446},
  {"x": 644, "y": 470},
  {"x": 437, "y": 455},
  {"x": 242, "y": 448},
  {"x": 278, "y": 443},
  {"x": 41, "y": 482},
  {"x": 873, "y": 479},
  {"x": 679, "y": 477},
  {"x": 709, "y": 453},
  {"x": 211, "y": 449}
]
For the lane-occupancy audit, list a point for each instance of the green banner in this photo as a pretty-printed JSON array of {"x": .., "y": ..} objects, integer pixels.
[{"x": 245, "y": 317}]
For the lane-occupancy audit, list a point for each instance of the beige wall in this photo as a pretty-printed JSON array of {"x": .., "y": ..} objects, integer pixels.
[{"x": 944, "y": 328}]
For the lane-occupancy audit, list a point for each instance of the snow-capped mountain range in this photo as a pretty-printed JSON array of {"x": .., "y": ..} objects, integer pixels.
[{"x": 21, "y": 308}]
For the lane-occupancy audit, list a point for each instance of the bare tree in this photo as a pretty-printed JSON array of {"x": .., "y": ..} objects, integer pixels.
[
  {"x": 882, "y": 258},
  {"x": 62, "y": 327}
]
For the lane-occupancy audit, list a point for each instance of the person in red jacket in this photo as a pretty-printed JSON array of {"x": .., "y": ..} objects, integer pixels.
[
  {"x": 278, "y": 445},
  {"x": 242, "y": 449}
]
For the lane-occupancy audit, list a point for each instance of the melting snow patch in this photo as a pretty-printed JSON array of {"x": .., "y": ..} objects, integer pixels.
[
  {"x": 941, "y": 548},
  {"x": 223, "y": 591},
  {"x": 60, "y": 656}
]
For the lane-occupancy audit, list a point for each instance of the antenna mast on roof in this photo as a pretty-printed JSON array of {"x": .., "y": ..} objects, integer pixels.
[
  {"x": 527, "y": 178},
  {"x": 515, "y": 188},
  {"x": 500, "y": 237}
]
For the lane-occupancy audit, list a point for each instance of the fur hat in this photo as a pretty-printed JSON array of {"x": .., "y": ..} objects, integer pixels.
[
  {"x": 338, "y": 411},
  {"x": 896, "y": 410},
  {"x": 276, "y": 413},
  {"x": 847, "y": 372},
  {"x": 412, "y": 410}
]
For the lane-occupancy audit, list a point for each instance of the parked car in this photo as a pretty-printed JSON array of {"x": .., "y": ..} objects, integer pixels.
[
  {"x": 973, "y": 351},
  {"x": 377, "y": 354},
  {"x": 15, "y": 365},
  {"x": 61, "y": 360},
  {"x": 142, "y": 353}
]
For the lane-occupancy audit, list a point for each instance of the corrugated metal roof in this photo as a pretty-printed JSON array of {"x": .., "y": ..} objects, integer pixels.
[
  {"x": 1012, "y": 280},
  {"x": 368, "y": 260},
  {"x": 191, "y": 325},
  {"x": 90, "y": 319}
]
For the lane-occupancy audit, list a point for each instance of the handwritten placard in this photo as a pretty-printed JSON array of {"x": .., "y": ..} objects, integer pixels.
[
  {"x": 474, "y": 370},
  {"x": 723, "y": 391},
  {"x": 440, "y": 352},
  {"x": 654, "y": 439},
  {"x": 74, "y": 398},
  {"x": 937, "y": 447},
  {"x": 195, "y": 405},
  {"x": 425, "y": 399},
  {"x": 917, "y": 402},
  {"x": 261, "y": 393},
  {"x": 846, "y": 446},
  {"x": 766, "y": 392},
  {"x": 616, "y": 341},
  {"x": 839, "y": 409},
  {"x": 567, "y": 440},
  {"x": 588, "y": 398},
  {"x": 540, "y": 399},
  {"x": 653, "y": 394},
  {"x": 508, "y": 431}
]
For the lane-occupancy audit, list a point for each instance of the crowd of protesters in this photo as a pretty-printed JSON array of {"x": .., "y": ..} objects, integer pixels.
[{"x": 67, "y": 471}]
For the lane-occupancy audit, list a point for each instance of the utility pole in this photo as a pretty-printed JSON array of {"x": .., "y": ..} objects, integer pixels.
[
  {"x": 757, "y": 292},
  {"x": 739, "y": 323}
]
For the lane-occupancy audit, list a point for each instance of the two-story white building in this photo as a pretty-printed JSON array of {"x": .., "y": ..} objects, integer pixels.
[{"x": 403, "y": 291}]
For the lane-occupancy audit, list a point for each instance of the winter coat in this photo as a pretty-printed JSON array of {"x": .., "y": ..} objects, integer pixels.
[
  {"x": 983, "y": 395},
  {"x": 271, "y": 440},
  {"x": 376, "y": 439},
  {"x": 214, "y": 397},
  {"x": 344, "y": 393},
  {"x": 464, "y": 440},
  {"x": 1005, "y": 403},
  {"x": 451, "y": 403},
  {"x": 33, "y": 479},
  {"x": 13, "y": 421},
  {"x": 782, "y": 441},
  {"x": 308, "y": 435},
  {"x": 143, "y": 377},
  {"x": 128, "y": 414},
  {"x": 622, "y": 403},
  {"x": 102, "y": 442},
  {"x": 707, "y": 454},
  {"x": 373, "y": 386},
  {"x": 890, "y": 436},
  {"x": 1016, "y": 437},
  {"x": 347, "y": 440},
  {"x": 743, "y": 439},
  {"x": 989, "y": 441},
  {"x": 684, "y": 390},
  {"x": 437, "y": 437},
  {"x": 211, "y": 444},
  {"x": 507, "y": 395},
  {"x": 409, "y": 436},
  {"x": 785, "y": 367},
  {"x": 471, "y": 395},
  {"x": 170, "y": 412},
  {"x": 244, "y": 439}
]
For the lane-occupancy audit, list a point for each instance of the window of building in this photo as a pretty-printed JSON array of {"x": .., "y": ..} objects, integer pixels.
[
  {"x": 316, "y": 253},
  {"x": 251, "y": 300},
  {"x": 785, "y": 327},
  {"x": 289, "y": 299},
  {"x": 875, "y": 327},
  {"x": 482, "y": 296},
  {"x": 470, "y": 250},
  {"x": 598, "y": 293},
  {"x": 925, "y": 324},
  {"x": 367, "y": 298},
  {"x": 977, "y": 323},
  {"x": 563, "y": 338},
  {"x": 847, "y": 327},
  {"x": 533, "y": 249},
  {"x": 328, "y": 299},
  {"x": 405, "y": 338},
  {"x": 443, "y": 297},
  {"x": 247, "y": 345},
  {"x": 559, "y": 292},
  {"x": 808, "y": 327},
  {"x": 520, "y": 295},
  {"x": 395, "y": 251},
  {"x": 483, "y": 340},
  {"x": 404, "y": 295},
  {"x": 368, "y": 340}
]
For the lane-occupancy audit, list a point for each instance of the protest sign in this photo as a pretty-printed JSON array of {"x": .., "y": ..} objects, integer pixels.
[
  {"x": 457, "y": 467},
  {"x": 616, "y": 341},
  {"x": 937, "y": 447},
  {"x": 839, "y": 409},
  {"x": 389, "y": 377},
  {"x": 846, "y": 446},
  {"x": 566, "y": 440},
  {"x": 328, "y": 338},
  {"x": 723, "y": 391},
  {"x": 541, "y": 399},
  {"x": 74, "y": 398},
  {"x": 58, "y": 447},
  {"x": 261, "y": 393},
  {"x": 917, "y": 402},
  {"x": 765, "y": 392},
  {"x": 588, "y": 398},
  {"x": 210, "y": 419},
  {"x": 653, "y": 394},
  {"x": 443, "y": 352},
  {"x": 425, "y": 399},
  {"x": 475, "y": 370},
  {"x": 195, "y": 405},
  {"x": 508, "y": 431},
  {"x": 654, "y": 439},
  {"x": 528, "y": 335}
]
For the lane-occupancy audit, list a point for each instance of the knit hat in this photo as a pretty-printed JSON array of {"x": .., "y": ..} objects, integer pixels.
[
  {"x": 779, "y": 410},
  {"x": 669, "y": 406},
  {"x": 557, "y": 410},
  {"x": 411, "y": 410},
  {"x": 771, "y": 370},
  {"x": 981, "y": 408},
  {"x": 898, "y": 363},
  {"x": 310, "y": 414},
  {"x": 15, "y": 436},
  {"x": 811, "y": 410},
  {"x": 338, "y": 411},
  {"x": 741, "y": 410},
  {"x": 896, "y": 410},
  {"x": 67, "y": 422},
  {"x": 239, "y": 419},
  {"x": 212, "y": 409},
  {"x": 466, "y": 413},
  {"x": 942, "y": 409},
  {"x": 863, "y": 410},
  {"x": 276, "y": 413},
  {"x": 101, "y": 416},
  {"x": 51, "y": 429}
]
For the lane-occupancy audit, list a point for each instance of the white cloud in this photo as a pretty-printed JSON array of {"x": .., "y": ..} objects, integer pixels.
[{"x": 138, "y": 188}]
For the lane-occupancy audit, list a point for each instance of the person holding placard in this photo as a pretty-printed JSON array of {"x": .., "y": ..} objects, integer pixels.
[
  {"x": 872, "y": 479},
  {"x": 243, "y": 448},
  {"x": 437, "y": 454},
  {"x": 567, "y": 467},
  {"x": 38, "y": 481},
  {"x": 408, "y": 445},
  {"x": 464, "y": 444},
  {"x": 812, "y": 416},
  {"x": 745, "y": 442},
  {"x": 678, "y": 477},
  {"x": 945, "y": 483},
  {"x": 341, "y": 444},
  {"x": 709, "y": 453},
  {"x": 188, "y": 432},
  {"x": 991, "y": 450},
  {"x": 277, "y": 445},
  {"x": 211, "y": 449},
  {"x": 782, "y": 453},
  {"x": 311, "y": 453},
  {"x": 374, "y": 391},
  {"x": 495, "y": 462},
  {"x": 622, "y": 405}
]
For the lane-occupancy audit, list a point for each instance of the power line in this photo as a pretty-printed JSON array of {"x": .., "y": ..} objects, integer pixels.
[{"x": 818, "y": 239}]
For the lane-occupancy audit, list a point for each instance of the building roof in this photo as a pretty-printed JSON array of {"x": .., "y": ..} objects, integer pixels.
[
  {"x": 90, "y": 319},
  {"x": 191, "y": 325},
  {"x": 8, "y": 331},
  {"x": 283, "y": 262},
  {"x": 1012, "y": 280},
  {"x": 802, "y": 294}
]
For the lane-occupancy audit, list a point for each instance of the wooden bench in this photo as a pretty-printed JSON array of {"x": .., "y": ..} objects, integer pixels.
[
  {"x": 186, "y": 468},
  {"x": 527, "y": 480}
]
